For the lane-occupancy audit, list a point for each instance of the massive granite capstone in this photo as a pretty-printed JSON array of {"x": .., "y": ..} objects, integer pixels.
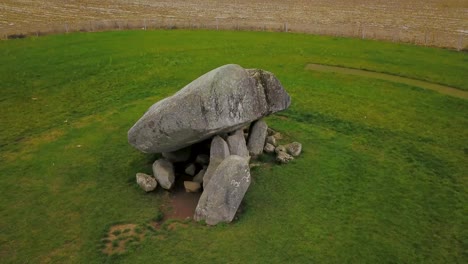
[{"x": 220, "y": 101}]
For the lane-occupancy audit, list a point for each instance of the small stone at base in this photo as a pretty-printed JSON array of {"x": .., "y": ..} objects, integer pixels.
[
  {"x": 191, "y": 186},
  {"x": 284, "y": 157},
  {"x": 269, "y": 148}
]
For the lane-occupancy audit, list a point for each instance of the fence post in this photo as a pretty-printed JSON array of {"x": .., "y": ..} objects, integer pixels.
[
  {"x": 217, "y": 24},
  {"x": 66, "y": 28},
  {"x": 363, "y": 35},
  {"x": 145, "y": 23},
  {"x": 285, "y": 26}
]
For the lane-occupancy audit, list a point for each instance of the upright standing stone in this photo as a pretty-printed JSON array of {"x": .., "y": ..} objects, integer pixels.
[
  {"x": 224, "y": 193},
  {"x": 199, "y": 177},
  {"x": 218, "y": 152},
  {"x": 163, "y": 171},
  {"x": 257, "y": 136},
  {"x": 237, "y": 144}
]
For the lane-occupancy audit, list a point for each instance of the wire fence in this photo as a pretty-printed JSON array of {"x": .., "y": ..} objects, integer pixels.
[{"x": 457, "y": 40}]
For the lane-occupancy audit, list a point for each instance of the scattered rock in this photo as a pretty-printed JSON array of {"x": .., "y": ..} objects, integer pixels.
[
  {"x": 294, "y": 149},
  {"x": 278, "y": 136},
  {"x": 202, "y": 159},
  {"x": 283, "y": 157},
  {"x": 225, "y": 191},
  {"x": 280, "y": 148},
  {"x": 237, "y": 144},
  {"x": 146, "y": 182},
  {"x": 271, "y": 140},
  {"x": 181, "y": 155},
  {"x": 222, "y": 100},
  {"x": 191, "y": 186},
  {"x": 257, "y": 138},
  {"x": 269, "y": 148},
  {"x": 163, "y": 171},
  {"x": 199, "y": 177},
  {"x": 270, "y": 132},
  {"x": 190, "y": 169},
  {"x": 218, "y": 152}
]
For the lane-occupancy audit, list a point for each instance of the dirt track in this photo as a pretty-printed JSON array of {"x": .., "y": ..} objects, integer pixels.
[{"x": 419, "y": 21}]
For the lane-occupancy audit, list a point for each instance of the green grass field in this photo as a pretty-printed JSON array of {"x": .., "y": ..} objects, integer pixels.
[{"x": 383, "y": 177}]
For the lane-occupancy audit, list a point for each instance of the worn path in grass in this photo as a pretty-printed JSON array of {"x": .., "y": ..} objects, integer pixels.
[{"x": 389, "y": 77}]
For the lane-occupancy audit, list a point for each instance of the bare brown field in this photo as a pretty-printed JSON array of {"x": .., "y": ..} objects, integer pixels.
[{"x": 441, "y": 23}]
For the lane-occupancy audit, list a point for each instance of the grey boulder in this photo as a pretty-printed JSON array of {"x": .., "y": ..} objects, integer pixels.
[
  {"x": 218, "y": 152},
  {"x": 283, "y": 157},
  {"x": 191, "y": 186},
  {"x": 163, "y": 171},
  {"x": 278, "y": 136},
  {"x": 294, "y": 149},
  {"x": 190, "y": 169},
  {"x": 269, "y": 148},
  {"x": 257, "y": 137},
  {"x": 280, "y": 148},
  {"x": 237, "y": 144},
  {"x": 220, "y": 101},
  {"x": 146, "y": 182},
  {"x": 224, "y": 193}
]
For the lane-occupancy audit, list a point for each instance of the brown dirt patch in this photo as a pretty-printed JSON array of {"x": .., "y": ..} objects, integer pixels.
[
  {"x": 120, "y": 236},
  {"x": 179, "y": 204}
]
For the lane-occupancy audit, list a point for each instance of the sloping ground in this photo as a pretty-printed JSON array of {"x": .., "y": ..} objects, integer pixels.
[
  {"x": 382, "y": 177},
  {"x": 434, "y": 22}
]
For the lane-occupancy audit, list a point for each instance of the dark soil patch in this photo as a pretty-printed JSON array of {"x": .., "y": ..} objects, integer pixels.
[{"x": 180, "y": 205}]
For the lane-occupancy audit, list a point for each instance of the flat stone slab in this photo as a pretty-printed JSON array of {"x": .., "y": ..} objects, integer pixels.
[{"x": 220, "y": 101}]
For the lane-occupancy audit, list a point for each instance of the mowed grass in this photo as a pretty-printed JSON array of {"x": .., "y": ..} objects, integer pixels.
[{"x": 382, "y": 179}]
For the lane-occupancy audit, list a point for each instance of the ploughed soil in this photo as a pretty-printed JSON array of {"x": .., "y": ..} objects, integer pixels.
[{"x": 402, "y": 19}]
